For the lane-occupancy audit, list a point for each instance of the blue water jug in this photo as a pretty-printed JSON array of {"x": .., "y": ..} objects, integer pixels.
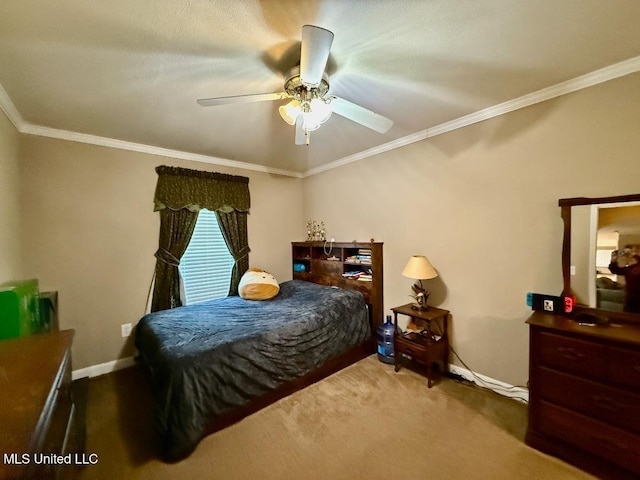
[{"x": 385, "y": 341}]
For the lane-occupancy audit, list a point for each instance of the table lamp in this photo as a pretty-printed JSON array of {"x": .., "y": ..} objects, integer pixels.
[{"x": 419, "y": 268}]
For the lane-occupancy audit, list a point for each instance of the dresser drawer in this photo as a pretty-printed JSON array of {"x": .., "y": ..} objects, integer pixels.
[
  {"x": 38, "y": 405},
  {"x": 570, "y": 355},
  {"x": 611, "y": 405},
  {"x": 613, "y": 444},
  {"x": 411, "y": 348},
  {"x": 623, "y": 367},
  {"x": 55, "y": 422},
  {"x": 59, "y": 418},
  {"x": 422, "y": 350}
]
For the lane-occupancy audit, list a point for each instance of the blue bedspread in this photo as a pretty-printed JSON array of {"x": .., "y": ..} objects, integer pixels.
[{"x": 208, "y": 358}]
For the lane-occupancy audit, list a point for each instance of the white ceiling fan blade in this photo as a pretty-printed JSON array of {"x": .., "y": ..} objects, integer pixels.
[
  {"x": 360, "y": 115},
  {"x": 314, "y": 53},
  {"x": 301, "y": 137},
  {"x": 256, "y": 97}
]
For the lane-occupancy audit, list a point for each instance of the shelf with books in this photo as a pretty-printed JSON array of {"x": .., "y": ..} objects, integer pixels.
[{"x": 358, "y": 256}]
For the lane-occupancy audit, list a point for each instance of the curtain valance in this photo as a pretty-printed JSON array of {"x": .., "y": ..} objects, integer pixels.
[{"x": 179, "y": 188}]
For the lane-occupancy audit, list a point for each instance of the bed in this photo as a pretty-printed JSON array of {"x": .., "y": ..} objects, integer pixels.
[{"x": 212, "y": 363}]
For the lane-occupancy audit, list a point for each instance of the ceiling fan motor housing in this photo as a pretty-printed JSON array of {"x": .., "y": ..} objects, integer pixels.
[{"x": 294, "y": 86}]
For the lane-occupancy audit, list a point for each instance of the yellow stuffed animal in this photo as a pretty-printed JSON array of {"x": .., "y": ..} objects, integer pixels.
[{"x": 256, "y": 284}]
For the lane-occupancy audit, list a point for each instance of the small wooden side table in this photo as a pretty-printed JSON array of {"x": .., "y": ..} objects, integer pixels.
[{"x": 426, "y": 347}]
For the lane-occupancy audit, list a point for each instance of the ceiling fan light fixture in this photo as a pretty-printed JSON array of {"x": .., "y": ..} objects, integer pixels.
[
  {"x": 309, "y": 123},
  {"x": 290, "y": 111},
  {"x": 321, "y": 109},
  {"x": 316, "y": 114}
]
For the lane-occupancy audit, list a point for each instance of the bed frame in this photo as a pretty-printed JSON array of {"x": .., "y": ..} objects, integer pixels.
[
  {"x": 332, "y": 366},
  {"x": 323, "y": 276}
]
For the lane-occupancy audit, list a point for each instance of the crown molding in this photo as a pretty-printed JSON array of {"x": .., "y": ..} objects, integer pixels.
[
  {"x": 12, "y": 113},
  {"x": 596, "y": 77},
  {"x": 10, "y": 110},
  {"x": 38, "y": 130},
  {"x": 385, "y": 147},
  {"x": 590, "y": 79}
]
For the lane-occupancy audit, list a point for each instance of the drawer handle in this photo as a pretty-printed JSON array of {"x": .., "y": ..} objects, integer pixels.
[
  {"x": 570, "y": 353},
  {"x": 607, "y": 403}
]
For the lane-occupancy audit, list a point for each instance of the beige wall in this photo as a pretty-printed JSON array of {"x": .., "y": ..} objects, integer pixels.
[
  {"x": 482, "y": 203},
  {"x": 90, "y": 233},
  {"x": 10, "y": 250}
]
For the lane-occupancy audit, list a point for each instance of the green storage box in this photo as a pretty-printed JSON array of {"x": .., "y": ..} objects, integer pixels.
[{"x": 19, "y": 309}]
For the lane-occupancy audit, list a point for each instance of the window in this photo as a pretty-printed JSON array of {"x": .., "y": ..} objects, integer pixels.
[{"x": 206, "y": 265}]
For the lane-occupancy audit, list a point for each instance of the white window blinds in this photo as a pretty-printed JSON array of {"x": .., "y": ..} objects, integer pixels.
[{"x": 206, "y": 265}]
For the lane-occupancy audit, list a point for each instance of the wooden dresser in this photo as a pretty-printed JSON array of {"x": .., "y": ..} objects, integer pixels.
[
  {"x": 38, "y": 415},
  {"x": 584, "y": 387}
]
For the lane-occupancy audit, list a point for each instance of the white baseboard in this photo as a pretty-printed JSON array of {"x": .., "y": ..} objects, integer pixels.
[
  {"x": 103, "y": 368},
  {"x": 497, "y": 386}
]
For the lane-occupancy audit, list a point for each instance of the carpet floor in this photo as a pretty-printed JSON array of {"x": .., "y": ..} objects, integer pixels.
[{"x": 364, "y": 422}]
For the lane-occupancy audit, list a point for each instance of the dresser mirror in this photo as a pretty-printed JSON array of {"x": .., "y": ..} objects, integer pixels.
[{"x": 601, "y": 245}]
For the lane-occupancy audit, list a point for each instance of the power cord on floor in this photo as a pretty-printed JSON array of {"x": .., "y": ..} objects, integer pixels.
[{"x": 481, "y": 382}]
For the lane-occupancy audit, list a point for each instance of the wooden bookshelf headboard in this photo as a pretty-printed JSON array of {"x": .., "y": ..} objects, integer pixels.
[{"x": 353, "y": 265}]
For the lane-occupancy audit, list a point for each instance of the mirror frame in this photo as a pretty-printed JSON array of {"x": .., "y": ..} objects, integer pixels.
[{"x": 565, "y": 211}]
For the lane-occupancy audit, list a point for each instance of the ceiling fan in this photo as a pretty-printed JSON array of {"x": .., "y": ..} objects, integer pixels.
[{"x": 307, "y": 86}]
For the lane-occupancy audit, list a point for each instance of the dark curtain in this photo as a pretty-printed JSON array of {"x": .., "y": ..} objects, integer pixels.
[
  {"x": 234, "y": 230},
  {"x": 193, "y": 189},
  {"x": 176, "y": 228},
  {"x": 180, "y": 194}
]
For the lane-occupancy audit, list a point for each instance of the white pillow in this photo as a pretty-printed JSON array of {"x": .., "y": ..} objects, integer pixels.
[{"x": 256, "y": 284}]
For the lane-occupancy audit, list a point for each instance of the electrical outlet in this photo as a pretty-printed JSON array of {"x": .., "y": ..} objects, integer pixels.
[
  {"x": 572, "y": 270},
  {"x": 125, "y": 330}
]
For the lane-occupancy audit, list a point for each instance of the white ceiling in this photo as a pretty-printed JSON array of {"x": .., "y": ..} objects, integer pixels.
[{"x": 128, "y": 72}]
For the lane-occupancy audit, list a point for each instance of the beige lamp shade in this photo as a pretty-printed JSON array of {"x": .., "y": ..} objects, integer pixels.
[{"x": 419, "y": 268}]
